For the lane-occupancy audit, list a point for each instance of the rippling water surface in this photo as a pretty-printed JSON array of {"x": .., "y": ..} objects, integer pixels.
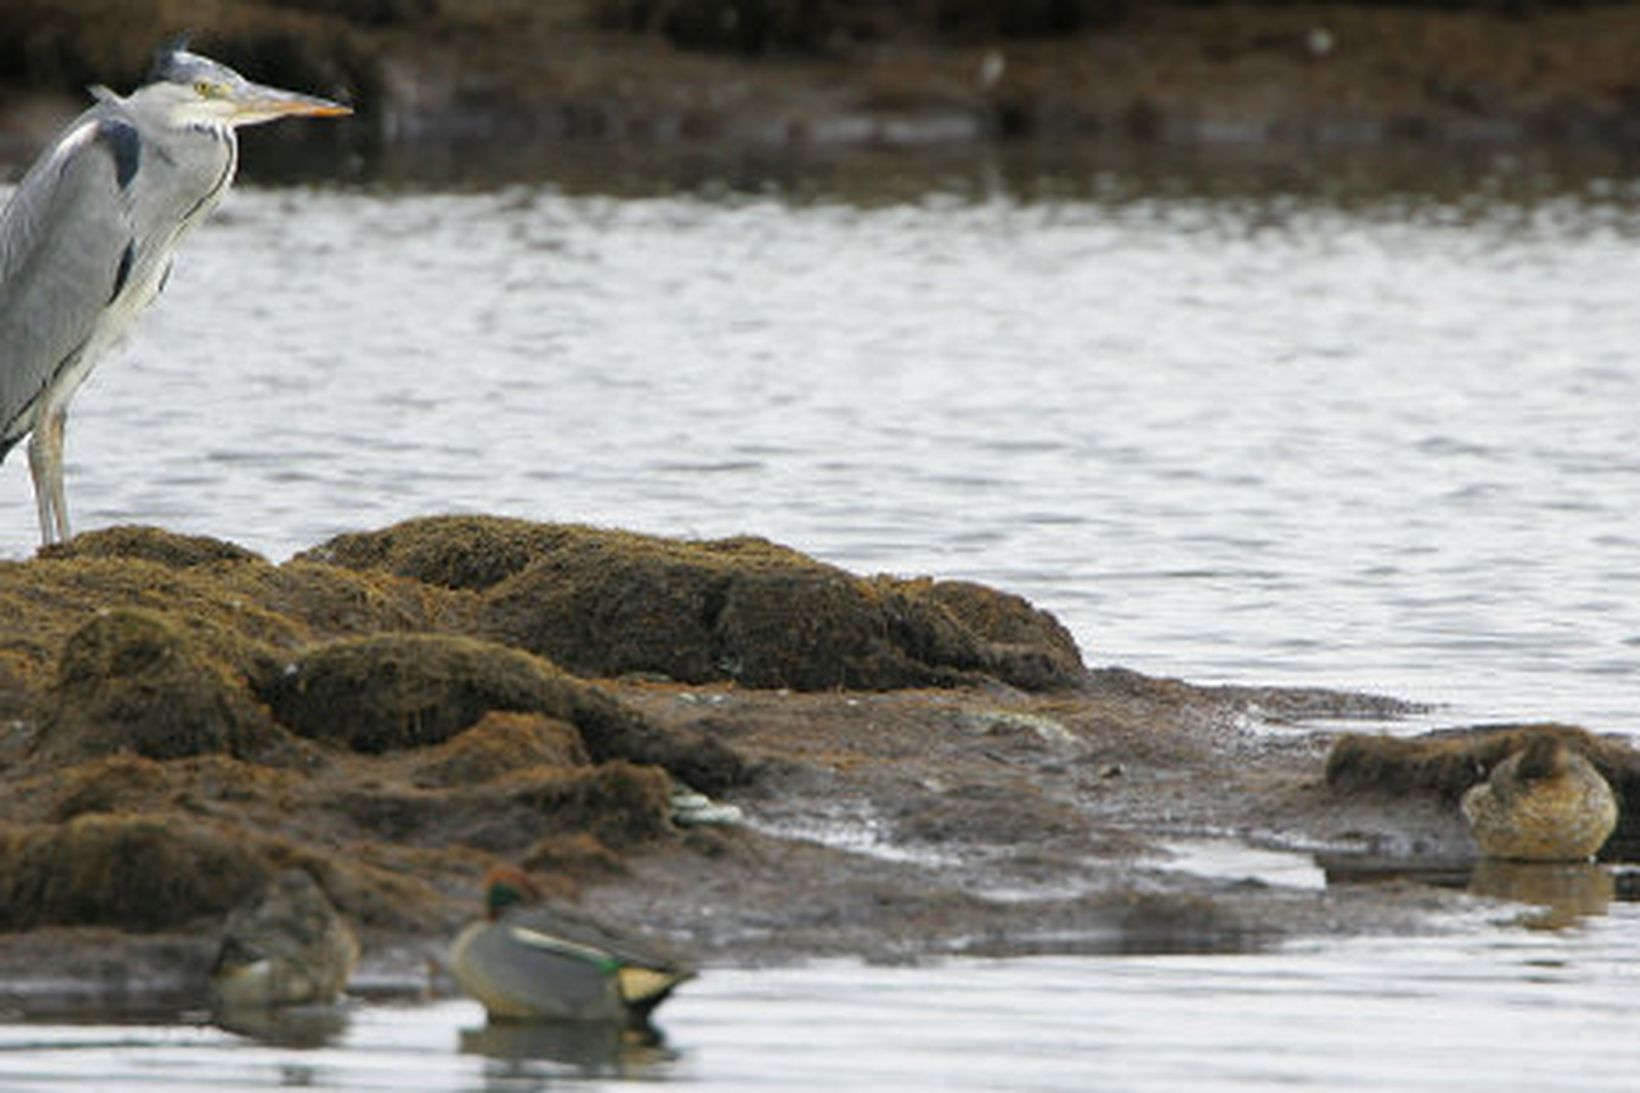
[
  {"x": 1381, "y": 444},
  {"x": 1383, "y": 439},
  {"x": 1513, "y": 1012}
]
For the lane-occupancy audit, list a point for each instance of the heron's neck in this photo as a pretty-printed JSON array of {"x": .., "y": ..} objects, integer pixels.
[{"x": 213, "y": 129}]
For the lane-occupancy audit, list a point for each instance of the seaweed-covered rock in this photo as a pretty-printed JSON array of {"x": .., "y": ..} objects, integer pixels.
[
  {"x": 1020, "y": 643},
  {"x": 609, "y": 603},
  {"x": 141, "y": 681},
  {"x": 394, "y": 691},
  {"x": 456, "y": 552},
  {"x": 619, "y": 803},
  {"x": 501, "y": 744},
  {"x": 391, "y": 691},
  {"x": 136, "y": 872},
  {"x": 45, "y": 600},
  {"x": 1448, "y": 763},
  {"x": 245, "y": 612},
  {"x": 202, "y": 785},
  {"x": 168, "y": 548},
  {"x": 333, "y": 602}
]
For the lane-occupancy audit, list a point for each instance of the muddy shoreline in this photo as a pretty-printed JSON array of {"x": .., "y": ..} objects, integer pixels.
[{"x": 920, "y": 768}]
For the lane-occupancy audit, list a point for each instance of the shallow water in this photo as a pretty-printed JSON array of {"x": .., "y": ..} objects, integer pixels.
[
  {"x": 1368, "y": 436},
  {"x": 1510, "y": 1011}
]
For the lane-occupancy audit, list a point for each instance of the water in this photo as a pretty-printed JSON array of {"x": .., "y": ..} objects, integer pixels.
[
  {"x": 1250, "y": 438},
  {"x": 1374, "y": 437},
  {"x": 1518, "y": 1011}
]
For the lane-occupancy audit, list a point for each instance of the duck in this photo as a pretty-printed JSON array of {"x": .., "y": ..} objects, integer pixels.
[
  {"x": 1545, "y": 802},
  {"x": 286, "y": 946},
  {"x": 526, "y": 961}
]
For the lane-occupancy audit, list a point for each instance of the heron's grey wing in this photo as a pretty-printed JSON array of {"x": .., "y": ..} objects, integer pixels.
[{"x": 66, "y": 248}]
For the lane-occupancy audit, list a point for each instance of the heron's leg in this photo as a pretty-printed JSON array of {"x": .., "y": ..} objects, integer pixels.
[{"x": 45, "y": 464}]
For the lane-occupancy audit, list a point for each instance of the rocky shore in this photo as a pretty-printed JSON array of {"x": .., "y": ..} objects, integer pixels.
[
  {"x": 844, "y": 72},
  {"x": 920, "y": 767}
]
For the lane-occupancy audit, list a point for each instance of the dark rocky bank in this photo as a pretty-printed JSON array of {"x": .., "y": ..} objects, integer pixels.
[
  {"x": 782, "y": 73},
  {"x": 923, "y": 766}
]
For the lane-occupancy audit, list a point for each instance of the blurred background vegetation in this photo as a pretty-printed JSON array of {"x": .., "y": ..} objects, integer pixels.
[{"x": 637, "y": 69}]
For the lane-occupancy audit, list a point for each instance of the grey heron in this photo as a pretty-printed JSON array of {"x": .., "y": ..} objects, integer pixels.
[{"x": 87, "y": 240}]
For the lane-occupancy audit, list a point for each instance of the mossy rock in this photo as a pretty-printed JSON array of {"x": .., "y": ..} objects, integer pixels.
[
  {"x": 144, "y": 682},
  {"x": 372, "y": 896},
  {"x": 167, "y": 548},
  {"x": 1019, "y": 643},
  {"x": 614, "y": 607},
  {"x": 201, "y": 785},
  {"x": 395, "y": 691},
  {"x": 610, "y": 603},
  {"x": 330, "y": 601},
  {"x": 142, "y": 873},
  {"x": 113, "y": 783},
  {"x": 44, "y": 601},
  {"x": 621, "y": 804},
  {"x": 390, "y": 691},
  {"x": 20, "y": 682},
  {"x": 1447, "y": 763},
  {"x": 749, "y": 611},
  {"x": 502, "y": 744},
  {"x": 455, "y": 552}
]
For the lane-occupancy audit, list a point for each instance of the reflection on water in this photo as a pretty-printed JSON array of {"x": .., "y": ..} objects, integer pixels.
[
  {"x": 1566, "y": 892},
  {"x": 586, "y": 1047},
  {"x": 288, "y": 1026}
]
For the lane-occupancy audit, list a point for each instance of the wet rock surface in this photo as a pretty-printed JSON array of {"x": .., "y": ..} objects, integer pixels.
[{"x": 921, "y": 766}]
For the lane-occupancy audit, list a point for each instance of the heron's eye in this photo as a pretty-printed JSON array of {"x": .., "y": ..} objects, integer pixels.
[{"x": 205, "y": 89}]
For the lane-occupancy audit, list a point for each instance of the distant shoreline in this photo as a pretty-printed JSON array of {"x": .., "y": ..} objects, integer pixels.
[{"x": 1214, "y": 75}]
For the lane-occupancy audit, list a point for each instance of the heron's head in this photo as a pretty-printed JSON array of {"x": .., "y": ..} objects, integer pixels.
[{"x": 194, "y": 90}]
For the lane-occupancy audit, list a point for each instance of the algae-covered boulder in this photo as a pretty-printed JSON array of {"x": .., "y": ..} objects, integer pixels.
[
  {"x": 1021, "y": 643},
  {"x": 1447, "y": 763},
  {"x": 135, "y": 872},
  {"x": 395, "y": 691},
  {"x": 458, "y": 552},
  {"x": 609, "y": 603},
  {"x": 245, "y": 610},
  {"x": 333, "y": 602},
  {"x": 201, "y": 785},
  {"x": 168, "y": 548},
  {"x": 144, "y": 682},
  {"x": 500, "y": 744},
  {"x": 390, "y": 691},
  {"x": 621, "y": 804}
]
